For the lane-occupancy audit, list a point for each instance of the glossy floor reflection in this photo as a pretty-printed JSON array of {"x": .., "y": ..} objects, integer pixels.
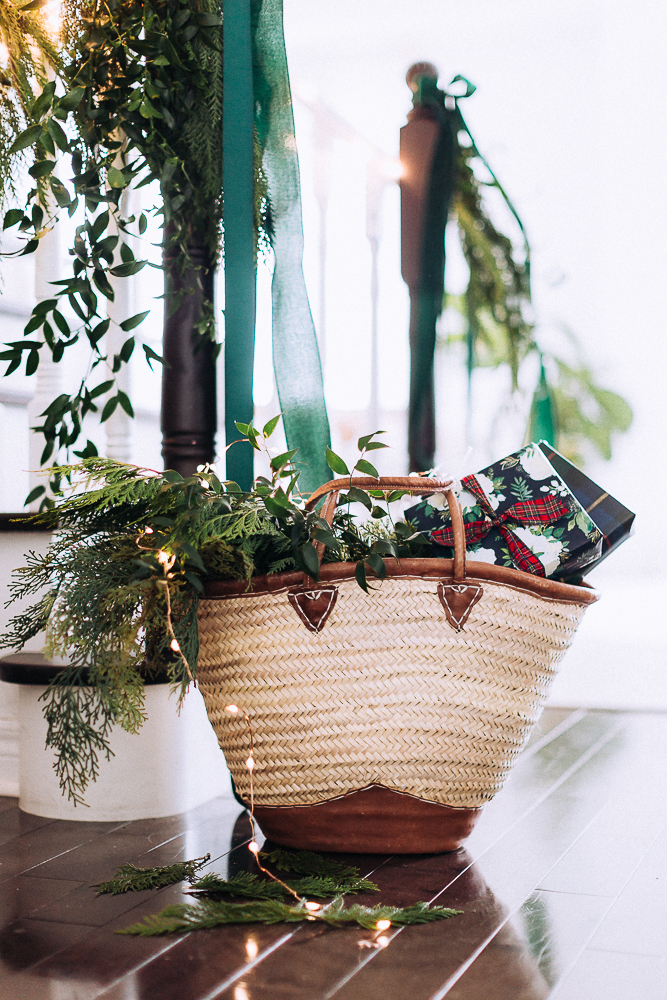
[{"x": 562, "y": 888}]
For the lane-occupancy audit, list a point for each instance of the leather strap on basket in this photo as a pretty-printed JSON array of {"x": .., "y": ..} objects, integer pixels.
[{"x": 314, "y": 603}]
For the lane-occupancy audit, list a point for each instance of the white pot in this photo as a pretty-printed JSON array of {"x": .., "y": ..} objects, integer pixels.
[{"x": 172, "y": 765}]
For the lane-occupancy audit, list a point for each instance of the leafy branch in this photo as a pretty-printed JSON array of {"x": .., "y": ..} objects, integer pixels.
[
  {"x": 181, "y": 918},
  {"x": 129, "y": 878}
]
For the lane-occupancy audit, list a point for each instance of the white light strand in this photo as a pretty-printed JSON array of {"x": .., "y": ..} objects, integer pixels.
[{"x": 253, "y": 846}]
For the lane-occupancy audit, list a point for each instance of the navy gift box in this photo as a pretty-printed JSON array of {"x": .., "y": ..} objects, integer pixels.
[{"x": 533, "y": 511}]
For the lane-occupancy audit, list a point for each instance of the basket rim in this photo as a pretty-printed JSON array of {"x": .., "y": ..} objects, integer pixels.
[{"x": 415, "y": 568}]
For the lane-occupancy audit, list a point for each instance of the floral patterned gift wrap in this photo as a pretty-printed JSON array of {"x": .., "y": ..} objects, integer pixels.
[{"x": 518, "y": 512}]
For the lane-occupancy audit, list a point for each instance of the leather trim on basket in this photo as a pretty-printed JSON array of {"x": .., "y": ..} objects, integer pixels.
[
  {"x": 436, "y": 569},
  {"x": 313, "y": 605},
  {"x": 371, "y": 820},
  {"x": 458, "y": 600}
]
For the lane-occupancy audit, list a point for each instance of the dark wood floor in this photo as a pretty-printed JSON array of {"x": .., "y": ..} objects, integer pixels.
[{"x": 563, "y": 887}]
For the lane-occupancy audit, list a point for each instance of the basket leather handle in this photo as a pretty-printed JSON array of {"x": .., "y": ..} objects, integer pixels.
[{"x": 411, "y": 484}]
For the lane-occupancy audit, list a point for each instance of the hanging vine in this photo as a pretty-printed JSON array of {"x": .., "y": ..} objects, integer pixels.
[{"x": 569, "y": 408}]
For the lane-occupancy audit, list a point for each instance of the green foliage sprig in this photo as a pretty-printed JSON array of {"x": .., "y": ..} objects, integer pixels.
[
  {"x": 251, "y": 886},
  {"x": 181, "y": 918},
  {"x": 585, "y": 412},
  {"x": 117, "y": 590},
  {"x": 129, "y": 878}
]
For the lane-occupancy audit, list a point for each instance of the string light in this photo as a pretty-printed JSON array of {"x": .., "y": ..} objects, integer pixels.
[
  {"x": 383, "y": 925},
  {"x": 382, "y": 941},
  {"x": 167, "y": 561},
  {"x": 251, "y": 948},
  {"x": 148, "y": 531},
  {"x": 253, "y": 846},
  {"x": 240, "y": 992}
]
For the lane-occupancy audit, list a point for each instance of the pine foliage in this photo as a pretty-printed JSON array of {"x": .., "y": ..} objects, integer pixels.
[
  {"x": 308, "y": 863},
  {"x": 252, "y": 887},
  {"x": 181, "y": 918},
  {"x": 128, "y": 878}
]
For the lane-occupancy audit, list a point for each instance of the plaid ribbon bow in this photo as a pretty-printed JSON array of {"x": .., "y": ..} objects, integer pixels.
[{"x": 542, "y": 510}]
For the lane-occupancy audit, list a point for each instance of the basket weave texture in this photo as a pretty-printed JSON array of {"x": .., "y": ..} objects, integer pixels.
[{"x": 386, "y": 693}]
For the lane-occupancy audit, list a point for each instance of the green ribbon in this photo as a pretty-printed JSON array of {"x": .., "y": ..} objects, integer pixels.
[
  {"x": 239, "y": 237},
  {"x": 543, "y": 424},
  {"x": 296, "y": 357}
]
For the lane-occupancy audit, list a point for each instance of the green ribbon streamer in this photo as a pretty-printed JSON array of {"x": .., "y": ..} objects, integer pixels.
[
  {"x": 296, "y": 357},
  {"x": 543, "y": 425},
  {"x": 239, "y": 237}
]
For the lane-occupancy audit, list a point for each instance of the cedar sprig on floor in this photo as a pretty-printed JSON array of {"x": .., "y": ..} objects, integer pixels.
[
  {"x": 128, "y": 878},
  {"x": 181, "y": 918},
  {"x": 252, "y": 887},
  {"x": 307, "y": 863}
]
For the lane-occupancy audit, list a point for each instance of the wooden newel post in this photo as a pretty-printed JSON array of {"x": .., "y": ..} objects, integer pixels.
[
  {"x": 427, "y": 177},
  {"x": 189, "y": 414}
]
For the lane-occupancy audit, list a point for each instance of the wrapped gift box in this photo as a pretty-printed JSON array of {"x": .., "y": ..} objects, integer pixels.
[{"x": 518, "y": 512}]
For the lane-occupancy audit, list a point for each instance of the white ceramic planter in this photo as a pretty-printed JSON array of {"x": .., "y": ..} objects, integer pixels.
[{"x": 172, "y": 765}]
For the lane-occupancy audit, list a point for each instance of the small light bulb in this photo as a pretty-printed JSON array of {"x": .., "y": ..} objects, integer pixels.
[
  {"x": 250, "y": 763},
  {"x": 174, "y": 645},
  {"x": 251, "y": 948},
  {"x": 253, "y": 847},
  {"x": 313, "y": 906},
  {"x": 232, "y": 708},
  {"x": 383, "y": 925},
  {"x": 148, "y": 531},
  {"x": 382, "y": 941}
]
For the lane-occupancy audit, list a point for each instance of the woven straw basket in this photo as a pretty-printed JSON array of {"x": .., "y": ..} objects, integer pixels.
[{"x": 381, "y": 722}]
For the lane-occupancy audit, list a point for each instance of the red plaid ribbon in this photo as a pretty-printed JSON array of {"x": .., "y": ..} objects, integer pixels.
[{"x": 542, "y": 510}]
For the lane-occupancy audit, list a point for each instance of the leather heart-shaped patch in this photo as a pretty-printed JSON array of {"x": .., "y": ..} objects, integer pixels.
[
  {"x": 458, "y": 600},
  {"x": 314, "y": 606}
]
